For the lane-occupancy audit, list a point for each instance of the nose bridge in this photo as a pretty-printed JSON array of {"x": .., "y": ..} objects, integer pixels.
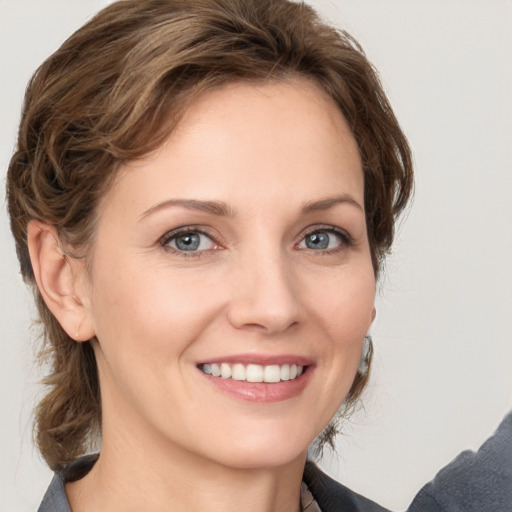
[{"x": 265, "y": 294}]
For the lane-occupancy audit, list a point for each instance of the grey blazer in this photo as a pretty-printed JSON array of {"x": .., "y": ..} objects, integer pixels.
[{"x": 474, "y": 482}]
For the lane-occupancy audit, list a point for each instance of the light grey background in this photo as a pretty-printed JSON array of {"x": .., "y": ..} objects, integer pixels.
[{"x": 443, "y": 368}]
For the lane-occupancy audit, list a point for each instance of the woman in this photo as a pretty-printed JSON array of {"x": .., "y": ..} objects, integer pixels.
[
  {"x": 203, "y": 193},
  {"x": 218, "y": 297}
]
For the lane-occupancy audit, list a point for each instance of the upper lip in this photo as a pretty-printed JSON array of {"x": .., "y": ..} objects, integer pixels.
[{"x": 261, "y": 359}]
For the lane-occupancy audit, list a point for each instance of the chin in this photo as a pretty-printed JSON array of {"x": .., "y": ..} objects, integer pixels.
[
  {"x": 263, "y": 449},
  {"x": 275, "y": 458}
]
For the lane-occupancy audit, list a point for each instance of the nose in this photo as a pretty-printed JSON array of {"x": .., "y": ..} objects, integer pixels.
[{"x": 264, "y": 295}]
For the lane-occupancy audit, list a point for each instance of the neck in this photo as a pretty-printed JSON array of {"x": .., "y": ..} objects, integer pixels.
[{"x": 159, "y": 476}]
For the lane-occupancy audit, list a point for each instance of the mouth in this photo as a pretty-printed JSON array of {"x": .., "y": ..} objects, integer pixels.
[
  {"x": 269, "y": 374},
  {"x": 259, "y": 379}
]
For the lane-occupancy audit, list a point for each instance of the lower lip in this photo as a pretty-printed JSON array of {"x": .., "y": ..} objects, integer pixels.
[{"x": 262, "y": 392}]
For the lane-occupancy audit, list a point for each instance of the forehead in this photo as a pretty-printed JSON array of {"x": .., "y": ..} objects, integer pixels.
[
  {"x": 253, "y": 140},
  {"x": 294, "y": 111}
]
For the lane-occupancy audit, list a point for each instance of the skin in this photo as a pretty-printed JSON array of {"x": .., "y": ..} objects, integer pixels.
[{"x": 267, "y": 152}]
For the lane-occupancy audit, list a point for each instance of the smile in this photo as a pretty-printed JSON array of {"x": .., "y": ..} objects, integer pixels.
[{"x": 253, "y": 372}]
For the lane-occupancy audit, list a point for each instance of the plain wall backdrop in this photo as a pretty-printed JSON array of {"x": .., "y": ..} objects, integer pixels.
[{"x": 442, "y": 376}]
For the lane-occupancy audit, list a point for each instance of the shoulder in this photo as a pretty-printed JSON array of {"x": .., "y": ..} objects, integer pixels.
[
  {"x": 332, "y": 496},
  {"x": 474, "y": 481},
  {"x": 55, "y": 498}
]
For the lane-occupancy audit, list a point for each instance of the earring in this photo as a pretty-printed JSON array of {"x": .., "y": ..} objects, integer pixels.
[{"x": 365, "y": 354}]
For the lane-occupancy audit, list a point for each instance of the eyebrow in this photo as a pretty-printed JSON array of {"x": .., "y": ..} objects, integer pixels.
[
  {"x": 212, "y": 207},
  {"x": 329, "y": 202},
  {"x": 221, "y": 209}
]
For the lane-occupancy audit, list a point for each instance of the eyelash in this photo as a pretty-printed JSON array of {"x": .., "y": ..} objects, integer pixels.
[
  {"x": 171, "y": 235},
  {"x": 346, "y": 240}
]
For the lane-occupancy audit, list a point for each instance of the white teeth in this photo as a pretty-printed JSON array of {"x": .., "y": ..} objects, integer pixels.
[
  {"x": 254, "y": 372},
  {"x": 272, "y": 373},
  {"x": 225, "y": 371},
  {"x": 215, "y": 370},
  {"x": 238, "y": 372}
]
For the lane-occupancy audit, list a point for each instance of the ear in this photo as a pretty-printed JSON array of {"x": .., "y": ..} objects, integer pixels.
[{"x": 60, "y": 281}]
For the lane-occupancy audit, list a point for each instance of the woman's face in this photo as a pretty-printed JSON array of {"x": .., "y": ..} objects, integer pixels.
[{"x": 239, "y": 247}]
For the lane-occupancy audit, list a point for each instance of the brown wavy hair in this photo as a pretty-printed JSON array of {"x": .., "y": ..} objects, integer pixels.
[{"x": 116, "y": 89}]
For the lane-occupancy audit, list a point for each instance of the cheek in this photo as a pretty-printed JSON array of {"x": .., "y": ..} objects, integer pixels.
[
  {"x": 156, "y": 312},
  {"x": 344, "y": 312},
  {"x": 146, "y": 326},
  {"x": 344, "y": 303}
]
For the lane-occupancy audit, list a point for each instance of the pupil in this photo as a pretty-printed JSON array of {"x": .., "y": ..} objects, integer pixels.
[
  {"x": 188, "y": 242},
  {"x": 317, "y": 241}
]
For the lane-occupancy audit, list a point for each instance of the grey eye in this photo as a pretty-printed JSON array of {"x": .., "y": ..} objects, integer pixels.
[
  {"x": 190, "y": 241},
  {"x": 187, "y": 242},
  {"x": 321, "y": 240}
]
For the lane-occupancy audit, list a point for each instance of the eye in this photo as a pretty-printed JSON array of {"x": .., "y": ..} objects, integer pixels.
[
  {"x": 323, "y": 240},
  {"x": 189, "y": 241}
]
